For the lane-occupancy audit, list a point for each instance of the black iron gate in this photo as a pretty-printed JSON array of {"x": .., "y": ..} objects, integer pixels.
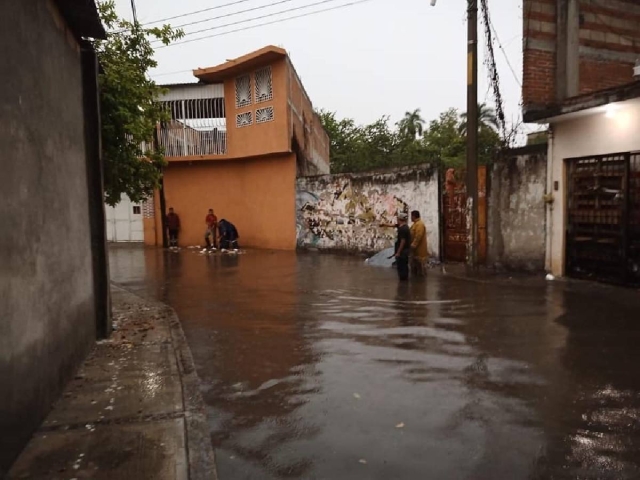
[{"x": 603, "y": 217}]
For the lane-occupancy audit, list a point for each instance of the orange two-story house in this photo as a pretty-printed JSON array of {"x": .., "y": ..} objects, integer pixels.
[{"x": 236, "y": 142}]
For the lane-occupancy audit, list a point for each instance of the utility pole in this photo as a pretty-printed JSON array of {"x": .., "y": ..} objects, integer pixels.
[{"x": 472, "y": 132}]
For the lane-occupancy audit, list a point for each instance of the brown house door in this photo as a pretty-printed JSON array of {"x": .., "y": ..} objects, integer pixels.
[
  {"x": 456, "y": 234},
  {"x": 603, "y": 217}
]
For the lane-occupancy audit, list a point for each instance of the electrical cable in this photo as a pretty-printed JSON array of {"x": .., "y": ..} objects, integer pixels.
[
  {"x": 269, "y": 15},
  {"x": 231, "y": 14},
  {"x": 196, "y": 12},
  {"x": 494, "y": 77},
  {"x": 265, "y": 23},
  {"x": 504, "y": 53}
]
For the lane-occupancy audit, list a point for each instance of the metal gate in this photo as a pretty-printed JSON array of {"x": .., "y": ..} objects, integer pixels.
[
  {"x": 456, "y": 234},
  {"x": 124, "y": 221},
  {"x": 603, "y": 217}
]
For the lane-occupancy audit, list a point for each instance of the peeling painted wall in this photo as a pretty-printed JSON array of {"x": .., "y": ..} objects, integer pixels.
[
  {"x": 344, "y": 212},
  {"x": 516, "y": 210}
]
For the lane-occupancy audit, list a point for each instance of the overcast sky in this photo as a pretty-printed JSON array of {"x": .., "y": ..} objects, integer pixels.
[{"x": 380, "y": 57}]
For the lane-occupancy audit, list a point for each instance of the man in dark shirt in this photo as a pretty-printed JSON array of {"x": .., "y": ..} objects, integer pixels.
[
  {"x": 173, "y": 225},
  {"x": 402, "y": 247},
  {"x": 228, "y": 235}
]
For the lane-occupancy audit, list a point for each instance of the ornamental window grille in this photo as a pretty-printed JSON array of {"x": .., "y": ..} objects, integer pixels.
[
  {"x": 243, "y": 91},
  {"x": 264, "y": 115},
  {"x": 264, "y": 85},
  {"x": 244, "y": 119}
]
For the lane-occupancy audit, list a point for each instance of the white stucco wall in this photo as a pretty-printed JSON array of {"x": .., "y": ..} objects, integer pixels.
[
  {"x": 602, "y": 130},
  {"x": 344, "y": 212}
]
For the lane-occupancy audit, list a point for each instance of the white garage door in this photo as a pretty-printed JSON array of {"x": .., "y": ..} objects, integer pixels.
[{"x": 124, "y": 222}]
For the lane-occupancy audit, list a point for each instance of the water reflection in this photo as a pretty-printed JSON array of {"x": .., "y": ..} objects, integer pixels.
[{"x": 310, "y": 362}]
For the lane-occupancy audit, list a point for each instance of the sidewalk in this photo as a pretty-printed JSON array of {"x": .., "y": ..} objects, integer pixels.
[{"x": 133, "y": 411}]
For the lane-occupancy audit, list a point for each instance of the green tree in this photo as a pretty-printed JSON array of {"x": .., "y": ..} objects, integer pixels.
[
  {"x": 129, "y": 105},
  {"x": 356, "y": 148},
  {"x": 411, "y": 126},
  {"x": 486, "y": 119},
  {"x": 443, "y": 140},
  {"x": 344, "y": 138},
  {"x": 489, "y": 144}
]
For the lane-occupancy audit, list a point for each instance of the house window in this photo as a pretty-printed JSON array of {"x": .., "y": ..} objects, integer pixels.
[
  {"x": 137, "y": 210},
  {"x": 243, "y": 91},
  {"x": 264, "y": 85},
  {"x": 244, "y": 119},
  {"x": 264, "y": 115}
]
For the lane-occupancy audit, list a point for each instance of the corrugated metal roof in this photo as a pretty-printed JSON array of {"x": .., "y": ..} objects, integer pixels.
[{"x": 82, "y": 17}]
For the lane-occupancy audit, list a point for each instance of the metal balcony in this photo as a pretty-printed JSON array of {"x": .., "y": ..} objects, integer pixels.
[{"x": 198, "y": 126}]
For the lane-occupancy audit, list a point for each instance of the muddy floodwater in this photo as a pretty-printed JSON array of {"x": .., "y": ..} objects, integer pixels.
[{"x": 321, "y": 367}]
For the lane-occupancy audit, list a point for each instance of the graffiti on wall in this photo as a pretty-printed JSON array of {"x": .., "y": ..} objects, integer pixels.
[{"x": 346, "y": 212}]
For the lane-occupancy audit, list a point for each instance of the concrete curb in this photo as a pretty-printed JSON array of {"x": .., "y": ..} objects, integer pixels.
[{"x": 202, "y": 465}]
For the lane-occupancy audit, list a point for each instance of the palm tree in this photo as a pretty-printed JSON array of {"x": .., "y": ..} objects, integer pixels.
[
  {"x": 411, "y": 125},
  {"x": 486, "y": 119}
]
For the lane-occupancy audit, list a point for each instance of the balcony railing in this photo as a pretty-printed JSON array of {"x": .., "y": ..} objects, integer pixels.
[{"x": 198, "y": 125}]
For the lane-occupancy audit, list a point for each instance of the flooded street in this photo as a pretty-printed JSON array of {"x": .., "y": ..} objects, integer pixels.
[{"x": 320, "y": 367}]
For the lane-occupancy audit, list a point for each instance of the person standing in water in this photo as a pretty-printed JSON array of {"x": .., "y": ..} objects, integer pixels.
[
  {"x": 419, "y": 251},
  {"x": 402, "y": 247},
  {"x": 212, "y": 227},
  {"x": 173, "y": 226}
]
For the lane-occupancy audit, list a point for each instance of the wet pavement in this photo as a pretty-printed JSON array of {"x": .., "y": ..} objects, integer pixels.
[
  {"x": 133, "y": 410},
  {"x": 320, "y": 367}
]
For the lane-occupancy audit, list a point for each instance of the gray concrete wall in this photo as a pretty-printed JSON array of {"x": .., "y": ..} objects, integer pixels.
[
  {"x": 344, "y": 212},
  {"x": 47, "y": 312},
  {"x": 516, "y": 210}
]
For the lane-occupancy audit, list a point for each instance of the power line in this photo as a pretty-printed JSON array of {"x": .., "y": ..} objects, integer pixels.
[
  {"x": 494, "y": 77},
  {"x": 217, "y": 27},
  {"x": 266, "y": 23},
  {"x": 261, "y": 7},
  {"x": 197, "y": 11},
  {"x": 504, "y": 53}
]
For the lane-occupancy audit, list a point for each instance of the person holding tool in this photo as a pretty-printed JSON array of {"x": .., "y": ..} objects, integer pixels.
[{"x": 402, "y": 246}]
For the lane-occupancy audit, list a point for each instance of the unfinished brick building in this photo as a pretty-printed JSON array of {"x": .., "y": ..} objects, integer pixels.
[
  {"x": 579, "y": 78},
  {"x": 574, "y": 47}
]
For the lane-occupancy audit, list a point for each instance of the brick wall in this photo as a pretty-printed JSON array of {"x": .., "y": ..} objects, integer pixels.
[
  {"x": 609, "y": 43},
  {"x": 599, "y": 74},
  {"x": 538, "y": 80}
]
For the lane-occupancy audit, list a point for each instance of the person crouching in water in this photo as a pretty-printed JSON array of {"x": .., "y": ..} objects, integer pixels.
[
  {"x": 419, "y": 251},
  {"x": 228, "y": 235}
]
